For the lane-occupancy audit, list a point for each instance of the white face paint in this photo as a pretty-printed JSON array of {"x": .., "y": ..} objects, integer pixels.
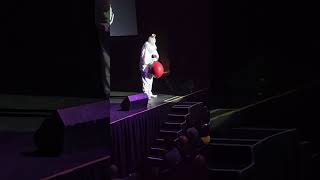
[{"x": 152, "y": 40}]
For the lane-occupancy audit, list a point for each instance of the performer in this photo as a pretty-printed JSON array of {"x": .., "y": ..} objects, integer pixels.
[
  {"x": 149, "y": 54},
  {"x": 103, "y": 19}
]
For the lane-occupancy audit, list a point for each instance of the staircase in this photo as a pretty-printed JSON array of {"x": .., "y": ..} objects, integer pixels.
[{"x": 181, "y": 116}]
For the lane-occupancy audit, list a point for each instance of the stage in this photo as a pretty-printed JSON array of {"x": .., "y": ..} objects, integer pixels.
[
  {"x": 116, "y": 114},
  {"x": 132, "y": 132},
  {"x": 20, "y": 117},
  {"x": 131, "y": 135},
  {"x": 17, "y": 164}
]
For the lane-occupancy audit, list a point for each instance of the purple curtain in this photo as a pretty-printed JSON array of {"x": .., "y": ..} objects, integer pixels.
[{"x": 131, "y": 137}]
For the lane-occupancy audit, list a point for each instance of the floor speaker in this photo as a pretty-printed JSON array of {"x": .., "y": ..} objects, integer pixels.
[
  {"x": 75, "y": 129},
  {"x": 135, "y": 101}
]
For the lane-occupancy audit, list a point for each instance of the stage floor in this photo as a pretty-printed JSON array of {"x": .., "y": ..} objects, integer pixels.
[
  {"x": 116, "y": 97},
  {"x": 15, "y": 165},
  {"x": 21, "y": 115}
]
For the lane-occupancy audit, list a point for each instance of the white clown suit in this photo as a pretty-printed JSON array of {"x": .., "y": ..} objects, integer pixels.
[{"x": 149, "y": 54}]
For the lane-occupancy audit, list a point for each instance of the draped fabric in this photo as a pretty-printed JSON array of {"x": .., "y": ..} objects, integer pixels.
[
  {"x": 131, "y": 137},
  {"x": 103, "y": 29}
]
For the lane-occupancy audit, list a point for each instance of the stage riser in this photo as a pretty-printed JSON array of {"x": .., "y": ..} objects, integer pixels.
[{"x": 255, "y": 154}]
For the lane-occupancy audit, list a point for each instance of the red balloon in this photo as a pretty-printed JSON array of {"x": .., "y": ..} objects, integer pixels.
[{"x": 157, "y": 69}]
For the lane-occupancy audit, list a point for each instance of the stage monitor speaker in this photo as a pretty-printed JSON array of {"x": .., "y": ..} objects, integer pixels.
[
  {"x": 75, "y": 129},
  {"x": 135, "y": 101}
]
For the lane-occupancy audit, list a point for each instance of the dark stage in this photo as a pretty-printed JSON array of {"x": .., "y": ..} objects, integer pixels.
[
  {"x": 16, "y": 165},
  {"x": 133, "y": 132},
  {"x": 131, "y": 135},
  {"x": 20, "y": 117}
]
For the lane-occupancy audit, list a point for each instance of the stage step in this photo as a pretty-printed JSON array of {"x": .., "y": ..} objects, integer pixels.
[
  {"x": 180, "y": 109},
  {"x": 187, "y": 107},
  {"x": 159, "y": 142},
  {"x": 234, "y": 154},
  {"x": 171, "y": 135},
  {"x": 177, "y": 118},
  {"x": 155, "y": 160},
  {"x": 163, "y": 143},
  {"x": 195, "y": 113},
  {"x": 179, "y": 113},
  {"x": 175, "y": 125},
  {"x": 190, "y": 104},
  {"x": 187, "y": 103},
  {"x": 181, "y": 116},
  {"x": 234, "y": 174},
  {"x": 158, "y": 151}
]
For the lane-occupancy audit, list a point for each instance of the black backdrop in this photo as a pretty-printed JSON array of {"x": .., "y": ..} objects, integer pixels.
[
  {"x": 49, "y": 48},
  {"x": 261, "y": 48},
  {"x": 182, "y": 40}
]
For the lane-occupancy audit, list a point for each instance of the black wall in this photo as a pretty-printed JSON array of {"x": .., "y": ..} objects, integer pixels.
[
  {"x": 49, "y": 48},
  {"x": 261, "y": 48},
  {"x": 182, "y": 40}
]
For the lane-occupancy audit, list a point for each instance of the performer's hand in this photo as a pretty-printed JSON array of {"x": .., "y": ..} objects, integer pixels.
[
  {"x": 150, "y": 66},
  {"x": 154, "y": 56}
]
